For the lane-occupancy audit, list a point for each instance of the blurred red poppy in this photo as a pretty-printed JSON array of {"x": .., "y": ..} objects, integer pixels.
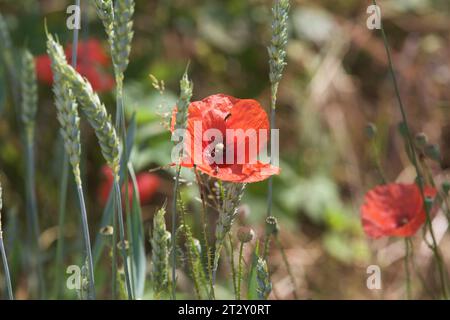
[
  {"x": 147, "y": 184},
  {"x": 91, "y": 63},
  {"x": 394, "y": 210},
  {"x": 224, "y": 113}
]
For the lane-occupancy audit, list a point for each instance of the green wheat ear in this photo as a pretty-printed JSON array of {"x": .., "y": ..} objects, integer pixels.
[
  {"x": 90, "y": 103},
  {"x": 105, "y": 11},
  {"x": 160, "y": 254},
  {"x": 29, "y": 91},
  {"x": 123, "y": 33},
  {"x": 278, "y": 43},
  {"x": 186, "y": 89},
  {"x": 67, "y": 113}
]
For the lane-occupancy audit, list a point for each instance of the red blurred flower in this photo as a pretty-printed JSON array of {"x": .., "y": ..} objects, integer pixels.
[
  {"x": 147, "y": 185},
  {"x": 222, "y": 112},
  {"x": 394, "y": 210},
  {"x": 91, "y": 62}
]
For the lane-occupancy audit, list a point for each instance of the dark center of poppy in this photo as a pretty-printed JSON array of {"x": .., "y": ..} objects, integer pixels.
[{"x": 403, "y": 220}]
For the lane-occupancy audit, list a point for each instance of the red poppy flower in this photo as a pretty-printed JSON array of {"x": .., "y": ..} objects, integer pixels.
[
  {"x": 221, "y": 114},
  {"x": 91, "y": 62},
  {"x": 394, "y": 210},
  {"x": 147, "y": 184}
]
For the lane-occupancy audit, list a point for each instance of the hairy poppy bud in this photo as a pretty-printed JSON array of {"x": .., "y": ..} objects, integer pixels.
[{"x": 245, "y": 234}]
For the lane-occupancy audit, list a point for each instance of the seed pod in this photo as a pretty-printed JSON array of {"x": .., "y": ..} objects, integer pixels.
[
  {"x": 272, "y": 225},
  {"x": 245, "y": 234}
]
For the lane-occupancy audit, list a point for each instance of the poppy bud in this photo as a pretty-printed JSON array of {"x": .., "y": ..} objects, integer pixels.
[
  {"x": 370, "y": 130},
  {"x": 272, "y": 225},
  {"x": 245, "y": 234}
]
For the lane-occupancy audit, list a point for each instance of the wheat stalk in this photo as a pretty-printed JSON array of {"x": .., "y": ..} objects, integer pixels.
[
  {"x": 101, "y": 122},
  {"x": 160, "y": 254},
  {"x": 277, "y": 62},
  {"x": 64, "y": 180},
  {"x": 67, "y": 114},
  {"x": 28, "y": 109},
  {"x": 3, "y": 253}
]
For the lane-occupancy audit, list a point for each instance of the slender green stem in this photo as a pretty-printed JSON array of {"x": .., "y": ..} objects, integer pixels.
[
  {"x": 174, "y": 230},
  {"x": 87, "y": 242},
  {"x": 114, "y": 250},
  {"x": 6, "y": 269},
  {"x": 122, "y": 238},
  {"x": 288, "y": 266},
  {"x": 61, "y": 221},
  {"x": 32, "y": 211},
  {"x": 239, "y": 275},
  {"x": 409, "y": 140},
  {"x": 233, "y": 270},
  {"x": 122, "y": 132}
]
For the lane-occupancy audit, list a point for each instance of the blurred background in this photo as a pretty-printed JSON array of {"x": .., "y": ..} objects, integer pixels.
[{"x": 336, "y": 82}]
